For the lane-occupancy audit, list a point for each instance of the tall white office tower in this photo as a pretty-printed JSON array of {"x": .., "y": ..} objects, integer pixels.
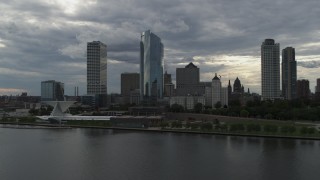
[
  {"x": 96, "y": 68},
  {"x": 270, "y": 70}
]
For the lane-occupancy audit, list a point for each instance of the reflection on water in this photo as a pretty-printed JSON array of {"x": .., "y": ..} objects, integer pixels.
[{"x": 115, "y": 154}]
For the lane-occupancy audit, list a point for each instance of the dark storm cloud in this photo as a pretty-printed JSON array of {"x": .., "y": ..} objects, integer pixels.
[{"x": 47, "y": 39}]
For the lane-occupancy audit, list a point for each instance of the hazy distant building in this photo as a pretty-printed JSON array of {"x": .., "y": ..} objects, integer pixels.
[
  {"x": 96, "y": 68},
  {"x": 52, "y": 91},
  {"x": 303, "y": 89},
  {"x": 237, "y": 88},
  {"x": 224, "y": 98},
  {"x": 167, "y": 78},
  {"x": 208, "y": 93},
  {"x": 151, "y": 66},
  {"x": 188, "y": 81},
  {"x": 168, "y": 90},
  {"x": 229, "y": 89},
  {"x": 289, "y": 73},
  {"x": 317, "y": 90},
  {"x": 270, "y": 69},
  {"x": 216, "y": 90}
]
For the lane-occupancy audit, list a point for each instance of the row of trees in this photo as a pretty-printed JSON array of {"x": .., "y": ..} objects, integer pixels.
[
  {"x": 279, "y": 109},
  {"x": 238, "y": 127}
]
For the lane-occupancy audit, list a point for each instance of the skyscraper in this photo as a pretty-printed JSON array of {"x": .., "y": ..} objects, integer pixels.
[
  {"x": 317, "y": 90},
  {"x": 237, "y": 88},
  {"x": 303, "y": 89},
  {"x": 52, "y": 91},
  {"x": 130, "y": 85},
  {"x": 216, "y": 90},
  {"x": 188, "y": 81},
  {"x": 151, "y": 66},
  {"x": 270, "y": 70},
  {"x": 129, "y": 82},
  {"x": 96, "y": 68},
  {"x": 289, "y": 73}
]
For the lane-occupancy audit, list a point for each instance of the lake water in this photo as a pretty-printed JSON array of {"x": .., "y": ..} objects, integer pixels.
[{"x": 75, "y": 154}]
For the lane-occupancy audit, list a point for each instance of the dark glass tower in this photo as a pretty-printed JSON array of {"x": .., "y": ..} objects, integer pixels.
[{"x": 289, "y": 73}]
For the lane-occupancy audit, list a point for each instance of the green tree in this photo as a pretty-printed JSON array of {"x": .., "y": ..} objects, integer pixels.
[
  {"x": 198, "y": 107},
  {"x": 218, "y": 105},
  {"x": 176, "y": 108},
  {"x": 244, "y": 113}
]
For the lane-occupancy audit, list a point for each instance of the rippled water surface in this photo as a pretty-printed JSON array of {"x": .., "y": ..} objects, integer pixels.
[{"x": 117, "y": 155}]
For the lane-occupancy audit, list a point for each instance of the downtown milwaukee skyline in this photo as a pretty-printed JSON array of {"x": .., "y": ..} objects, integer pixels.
[{"x": 43, "y": 41}]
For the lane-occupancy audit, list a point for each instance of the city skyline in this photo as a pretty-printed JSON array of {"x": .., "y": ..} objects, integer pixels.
[{"x": 41, "y": 41}]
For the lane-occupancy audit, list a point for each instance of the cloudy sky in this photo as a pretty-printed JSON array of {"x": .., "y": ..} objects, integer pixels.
[{"x": 43, "y": 40}]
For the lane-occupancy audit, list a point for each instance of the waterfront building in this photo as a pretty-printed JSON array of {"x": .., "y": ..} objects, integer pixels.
[
  {"x": 52, "y": 90},
  {"x": 96, "y": 68},
  {"x": 135, "y": 97},
  {"x": 270, "y": 70},
  {"x": 151, "y": 66},
  {"x": 187, "y": 102},
  {"x": 289, "y": 73},
  {"x": 130, "y": 83},
  {"x": 188, "y": 81},
  {"x": 303, "y": 89}
]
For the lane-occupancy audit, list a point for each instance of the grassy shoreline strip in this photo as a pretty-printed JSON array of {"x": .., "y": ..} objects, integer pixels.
[{"x": 171, "y": 131}]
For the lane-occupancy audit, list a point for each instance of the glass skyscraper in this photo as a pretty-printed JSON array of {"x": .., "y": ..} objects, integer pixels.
[
  {"x": 270, "y": 70},
  {"x": 52, "y": 91},
  {"x": 151, "y": 66},
  {"x": 289, "y": 73}
]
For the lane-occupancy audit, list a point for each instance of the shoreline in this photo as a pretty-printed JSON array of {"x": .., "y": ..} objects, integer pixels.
[{"x": 51, "y": 126}]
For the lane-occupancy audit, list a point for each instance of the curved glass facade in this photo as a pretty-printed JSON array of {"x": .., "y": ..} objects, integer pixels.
[{"x": 151, "y": 66}]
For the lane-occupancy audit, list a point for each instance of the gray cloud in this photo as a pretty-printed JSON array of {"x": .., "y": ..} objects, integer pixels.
[
  {"x": 48, "y": 38},
  {"x": 309, "y": 64}
]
